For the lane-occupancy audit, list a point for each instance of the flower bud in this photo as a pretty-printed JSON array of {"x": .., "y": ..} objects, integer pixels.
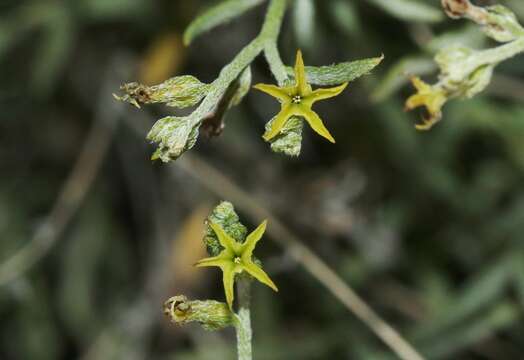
[
  {"x": 212, "y": 315},
  {"x": 179, "y": 92}
]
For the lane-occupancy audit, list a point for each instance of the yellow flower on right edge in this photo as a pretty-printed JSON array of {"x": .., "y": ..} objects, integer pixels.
[
  {"x": 297, "y": 100},
  {"x": 431, "y": 97}
]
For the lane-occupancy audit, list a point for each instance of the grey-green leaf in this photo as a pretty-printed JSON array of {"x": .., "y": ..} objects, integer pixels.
[
  {"x": 174, "y": 136},
  {"x": 289, "y": 141},
  {"x": 410, "y": 10},
  {"x": 217, "y": 15},
  {"x": 179, "y": 91},
  {"x": 339, "y": 73},
  {"x": 244, "y": 85},
  {"x": 304, "y": 23}
]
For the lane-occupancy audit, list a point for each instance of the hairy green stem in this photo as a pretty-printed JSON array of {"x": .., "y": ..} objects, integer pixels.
[
  {"x": 266, "y": 38},
  {"x": 501, "y": 53},
  {"x": 276, "y": 65},
  {"x": 243, "y": 319}
]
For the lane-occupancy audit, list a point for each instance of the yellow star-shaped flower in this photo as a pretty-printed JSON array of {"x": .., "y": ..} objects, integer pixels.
[
  {"x": 236, "y": 258},
  {"x": 297, "y": 100},
  {"x": 431, "y": 97}
]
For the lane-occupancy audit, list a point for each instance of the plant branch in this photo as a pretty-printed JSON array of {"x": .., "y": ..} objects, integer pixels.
[
  {"x": 244, "y": 58},
  {"x": 499, "y": 54},
  {"x": 276, "y": 65}
]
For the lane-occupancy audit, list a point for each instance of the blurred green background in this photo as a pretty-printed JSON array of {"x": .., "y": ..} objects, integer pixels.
[{"x": 427, "y": 227}]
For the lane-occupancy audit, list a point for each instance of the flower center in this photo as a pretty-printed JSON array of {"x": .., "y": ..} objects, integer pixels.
[
  {"x": 237, "y": 260},
  {"x": 296, "y": 99}
]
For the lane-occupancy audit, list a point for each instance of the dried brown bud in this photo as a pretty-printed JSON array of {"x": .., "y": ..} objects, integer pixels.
[{"x": 456, "y": 9}]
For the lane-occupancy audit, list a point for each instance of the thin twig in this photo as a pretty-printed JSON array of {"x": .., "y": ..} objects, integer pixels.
[{"x": 71, "y": 196}]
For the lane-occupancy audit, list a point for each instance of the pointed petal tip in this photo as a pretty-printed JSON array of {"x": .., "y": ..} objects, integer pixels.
[
  {"x": 268, "y": 135},
  {"x": 263, "y": 224},
  {"x": 266, "y": 138},
  {"x": 229, "y": 304},
  {"x": 423, "y": 127},
  {"x": 328, "y": 137},
  {"x": 339, "y": 89},
  {"x": 203, "y": 263},
  {"x": 269, "y": 283}
]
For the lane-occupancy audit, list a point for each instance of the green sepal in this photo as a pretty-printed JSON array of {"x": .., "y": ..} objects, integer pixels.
[
  {"x": 173, "y": 136},
  {"x": 224, "y": 215},
  {"x": 179, "y": 91}
]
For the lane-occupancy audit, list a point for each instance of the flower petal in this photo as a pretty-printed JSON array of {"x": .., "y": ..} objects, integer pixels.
[
  {"x": 213, "y": 261},
  {"x": 259, "y": 274},
  {"x": 304, "y": 89},
  {"x": 277, "y": 123},
  {"x": 228, "y": 278},
  {"x": 316, "y": 124},
  {"x": 225, "y": 240},
  {"x": 251, "y": 241},
  {"x": 280, "y": 93},
  {"x": 326, "y": 93}
]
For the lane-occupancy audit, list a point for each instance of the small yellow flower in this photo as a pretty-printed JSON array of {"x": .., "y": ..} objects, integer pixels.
[
  {"x": 297, "y": 100},
  {"x": 236, "y": 258},
  {"x": 432, "y": 97}
]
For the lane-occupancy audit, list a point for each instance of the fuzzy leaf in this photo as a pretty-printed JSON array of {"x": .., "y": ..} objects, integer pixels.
[
  {"x": 502, "y": 24},
  {"x": 212, "y": 315},
  {"x": 217, "y": 15},
  {"x": 173, "y": 136},
  {"x": 289, "y": 141},
  {"x": 478, "y": 81},
  {"x": 180, "y": 92},
  {"x": 244, "y": 85},
  {"x": 339, "y": 73}
]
